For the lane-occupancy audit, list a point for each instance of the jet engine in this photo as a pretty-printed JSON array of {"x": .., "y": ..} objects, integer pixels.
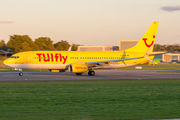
[{"x": 78, "y": 68}]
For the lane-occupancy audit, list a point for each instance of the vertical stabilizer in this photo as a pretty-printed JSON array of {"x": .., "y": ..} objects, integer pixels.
[{"x": 147, "y": 40}]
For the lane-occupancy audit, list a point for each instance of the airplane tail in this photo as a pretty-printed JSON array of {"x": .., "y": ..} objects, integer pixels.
[{"x": 147, "y": 41}]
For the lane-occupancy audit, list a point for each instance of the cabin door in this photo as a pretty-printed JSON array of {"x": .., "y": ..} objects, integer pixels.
[{"x": 28, "y": 58}]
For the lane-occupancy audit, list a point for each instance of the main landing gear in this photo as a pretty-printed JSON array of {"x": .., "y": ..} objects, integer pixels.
[{"x": 91, "y": 73}]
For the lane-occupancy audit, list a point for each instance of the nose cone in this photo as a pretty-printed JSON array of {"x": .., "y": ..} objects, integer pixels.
[{"x": 7, "y": 62}]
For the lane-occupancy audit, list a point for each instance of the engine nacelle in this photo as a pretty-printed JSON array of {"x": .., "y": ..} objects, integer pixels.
[{"x": 78, "y": 68}]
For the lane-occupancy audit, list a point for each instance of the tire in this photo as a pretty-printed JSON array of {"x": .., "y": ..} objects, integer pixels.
[
  {"x": 91, "y": 73},
  {"x": 20, "y": 74}
]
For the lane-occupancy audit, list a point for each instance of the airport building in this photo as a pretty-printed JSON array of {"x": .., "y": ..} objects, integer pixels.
[
  {"x": 125, "y": 44},
  {"x": 5, "y": 53},
  {"x": 171, "y": 57},
  {"x": 95, "y": 48},
  {"x": 168, "y": 57}
]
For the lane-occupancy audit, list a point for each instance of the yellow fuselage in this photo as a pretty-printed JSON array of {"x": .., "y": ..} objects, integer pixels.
[{"x": 60, "y": 59}]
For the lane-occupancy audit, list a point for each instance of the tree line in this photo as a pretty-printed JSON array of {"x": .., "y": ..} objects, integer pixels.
[
  {"x": 20, "y": 43},
  {"x": 167, "y": 48}
]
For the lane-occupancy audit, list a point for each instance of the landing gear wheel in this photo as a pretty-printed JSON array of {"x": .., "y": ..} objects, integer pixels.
[
  {"x": 91, "y": 73},
  {"x": 20, "y": 74},
  {"x": 78, "y": 73}
]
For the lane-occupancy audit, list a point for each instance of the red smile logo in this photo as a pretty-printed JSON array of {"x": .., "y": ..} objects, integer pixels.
[{"x": 145, "y": 41}]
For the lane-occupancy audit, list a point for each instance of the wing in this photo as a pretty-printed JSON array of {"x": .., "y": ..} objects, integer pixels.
[
  {"x": 107, "y": 61},
  {"x": 96, "y": 63},
  {"x": 157, "y": 53}
]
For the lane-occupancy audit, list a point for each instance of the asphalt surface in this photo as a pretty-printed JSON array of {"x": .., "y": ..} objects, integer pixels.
[{"x": 100, "y": 75}]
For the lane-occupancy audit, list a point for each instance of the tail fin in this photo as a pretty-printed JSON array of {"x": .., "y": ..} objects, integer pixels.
[{"x": 147, "y": 40}]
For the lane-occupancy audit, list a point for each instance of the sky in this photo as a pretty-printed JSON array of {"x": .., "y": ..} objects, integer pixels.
[{"x": 90, "y": 22}]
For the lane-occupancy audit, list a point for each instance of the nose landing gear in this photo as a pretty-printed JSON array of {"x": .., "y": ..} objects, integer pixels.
[
  {"x": 20, "y": 70},
  {"x": 20, "y": 74}
]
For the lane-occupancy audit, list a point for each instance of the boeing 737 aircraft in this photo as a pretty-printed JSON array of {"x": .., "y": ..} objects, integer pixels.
[{"x": 82, "y": 62}]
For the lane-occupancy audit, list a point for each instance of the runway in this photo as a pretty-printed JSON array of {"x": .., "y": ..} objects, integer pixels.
[{"x": 100, "y": 75}]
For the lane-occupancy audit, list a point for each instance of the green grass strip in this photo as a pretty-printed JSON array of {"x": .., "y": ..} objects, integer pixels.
[{"x": 90, "y": 100}]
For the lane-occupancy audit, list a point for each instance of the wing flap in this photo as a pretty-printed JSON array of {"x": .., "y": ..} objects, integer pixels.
[{"x": 107, "y": 61}]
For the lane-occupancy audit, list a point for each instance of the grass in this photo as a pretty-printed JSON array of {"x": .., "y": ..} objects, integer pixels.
[
  {"x": 151, "y": 67},
  {"x": 89, "y": 100},
  {"x": 4, "y": 69}
]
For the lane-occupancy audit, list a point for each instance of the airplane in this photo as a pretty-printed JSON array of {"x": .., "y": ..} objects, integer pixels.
[{"x": 79, "y": 62}]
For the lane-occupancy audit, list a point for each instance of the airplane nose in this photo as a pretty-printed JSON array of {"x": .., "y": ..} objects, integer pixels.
[{"x": 7, "y": 62}]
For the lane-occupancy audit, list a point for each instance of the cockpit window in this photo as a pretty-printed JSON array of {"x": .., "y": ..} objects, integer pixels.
[{"x": 14, "y": 57}]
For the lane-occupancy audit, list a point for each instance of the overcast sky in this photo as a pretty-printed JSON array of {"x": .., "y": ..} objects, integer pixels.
[{"x": 90, "y": 22}]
